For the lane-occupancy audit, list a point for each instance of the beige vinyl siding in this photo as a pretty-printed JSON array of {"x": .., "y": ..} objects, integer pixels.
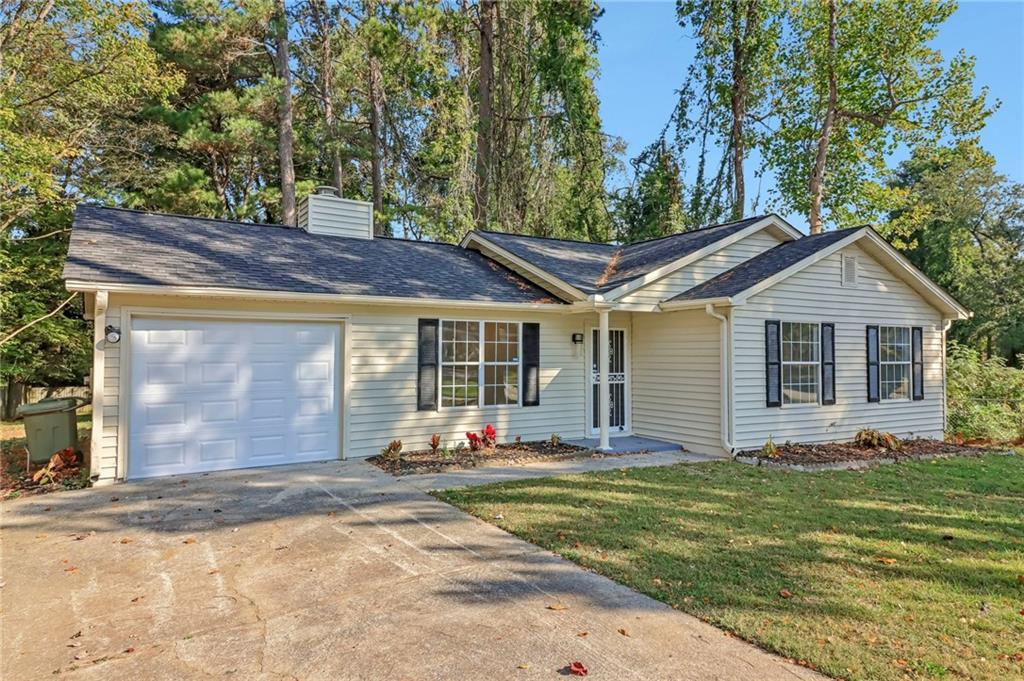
[
  {"x": 816, "y": 295},
  {"x": 383, "y": 366},
  {"x": 676, "y": 386},
  {"x": 319, "y": 214},
  {"x": 702, "y": 270}
]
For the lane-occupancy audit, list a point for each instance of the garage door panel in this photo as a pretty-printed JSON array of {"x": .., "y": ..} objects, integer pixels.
[{"x": 211, "y": 395}]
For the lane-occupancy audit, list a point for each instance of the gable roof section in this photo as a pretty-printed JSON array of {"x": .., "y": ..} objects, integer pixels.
[
  {"x": 137, "y": 248},
  {"x": 589, "y": 268},
  {"x": 735, "y": 285}
]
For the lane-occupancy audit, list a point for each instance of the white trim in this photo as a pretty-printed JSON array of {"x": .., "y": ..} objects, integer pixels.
[
  {"x": 128, "y": 313},
  {"x": 475, "y": 238},
  {"x": 481, "y": 364},
  {"x": 254, "y": 294},
  {"x": 665, "y": 270},
  {"x": 99, "y": 370},
  {"x": 696, "y": 304},
  {"x": 817, "y": 371},
  {"x": 909, "y": 363}
]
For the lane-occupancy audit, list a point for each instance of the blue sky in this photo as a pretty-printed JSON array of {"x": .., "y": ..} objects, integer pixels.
[{"x": 644, "y": 55}]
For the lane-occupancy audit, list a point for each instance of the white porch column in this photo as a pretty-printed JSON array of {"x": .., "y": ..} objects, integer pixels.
[{"x": 604, "y": 401}]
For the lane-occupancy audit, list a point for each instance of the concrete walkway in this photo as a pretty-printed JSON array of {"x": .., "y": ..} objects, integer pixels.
[{"x": 325, "y": 571}]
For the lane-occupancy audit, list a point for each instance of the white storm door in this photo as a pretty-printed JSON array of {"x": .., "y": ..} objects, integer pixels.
[
  {"x": 214, "y": 395},
  {"x": 617, "y": 382}
]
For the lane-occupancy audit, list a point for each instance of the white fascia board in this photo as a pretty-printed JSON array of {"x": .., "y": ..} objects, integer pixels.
[
  {"x": 254, "y": 294},
  {"x": 528, "y": 269},
  {"x": 654, "y": 275}
]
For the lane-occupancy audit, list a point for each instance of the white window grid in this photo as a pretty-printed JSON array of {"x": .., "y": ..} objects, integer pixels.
[
  {"x": 480, "y": 363},
  {"x": 894, "y": 359},
  {"x": 801, "y": 363}
]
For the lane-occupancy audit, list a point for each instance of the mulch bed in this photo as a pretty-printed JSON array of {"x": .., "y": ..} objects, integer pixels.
[
  {"x": 842, "y": 452},
  {"x": 512, "y": 453}
]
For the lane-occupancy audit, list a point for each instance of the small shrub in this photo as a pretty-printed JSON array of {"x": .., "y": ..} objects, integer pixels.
[
  {"x": 487, "y": 438},
  {"x": 555, "y": 440},
  {"x": 877, "y": 439},
  {"x": 770, "y": 450},
  {"x": 393, "y": 452},
  {"x": 435, "y": 443}
]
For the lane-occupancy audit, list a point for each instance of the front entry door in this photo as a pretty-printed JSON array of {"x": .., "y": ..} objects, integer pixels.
[{"x": 616, "y": 380}]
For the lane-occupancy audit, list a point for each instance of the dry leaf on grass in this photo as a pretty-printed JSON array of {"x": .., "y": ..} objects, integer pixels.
[
  {"x": 885, "y": 560},
  {"x": 557, "y": 606},
  {"x": 785, "y": 593}
]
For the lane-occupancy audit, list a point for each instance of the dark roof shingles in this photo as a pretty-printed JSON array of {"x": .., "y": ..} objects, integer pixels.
[
  {"x": 751, "y": 272},
  {"x": 135, "y": 247},
  {"x": 595, "y": 268}
]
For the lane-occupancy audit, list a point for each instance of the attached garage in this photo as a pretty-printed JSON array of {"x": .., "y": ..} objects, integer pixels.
[{"x": 213, "y": 394}]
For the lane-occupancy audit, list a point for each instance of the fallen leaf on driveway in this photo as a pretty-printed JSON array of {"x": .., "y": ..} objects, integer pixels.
[
  {"x": 137, "y": 599},
  {"x": 577, "y": 669},
  {"x": 786, "y": 593},
  {"x": 214, "y": 571},
  {"x": 583, "y": 634},
  {"x": 523, "y": 666},
  {"x": 190, "y": 540},
  {"x": 71, "y": 568},
  {"x": 126, "y": 540},
  {"x": 557, "y": 606},
  {"x": 624, "y": 632}
]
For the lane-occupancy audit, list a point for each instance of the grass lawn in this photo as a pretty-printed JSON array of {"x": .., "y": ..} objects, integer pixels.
[{"x": 904, "y": 571}]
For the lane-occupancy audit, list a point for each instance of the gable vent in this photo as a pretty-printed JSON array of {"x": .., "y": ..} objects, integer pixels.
[{"x": 849, "y": 268}]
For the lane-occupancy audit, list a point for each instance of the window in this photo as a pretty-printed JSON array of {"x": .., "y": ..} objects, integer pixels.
[
  {"x": 894, "y": 362},
  {"x": 479, "y": 363},
  {"x": 801, "y": 363}
]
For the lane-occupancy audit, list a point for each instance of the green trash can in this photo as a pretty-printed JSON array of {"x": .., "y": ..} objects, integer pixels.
[{"x": 50, "y": 426}]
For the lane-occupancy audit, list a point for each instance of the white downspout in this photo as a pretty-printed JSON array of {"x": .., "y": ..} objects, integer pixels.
[
  {"x": 725, "y": 377},
  {"x": 945, "y": 328}
]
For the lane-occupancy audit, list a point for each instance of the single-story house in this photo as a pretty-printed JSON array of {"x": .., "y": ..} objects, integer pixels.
[{"x": 225, "y": 345}]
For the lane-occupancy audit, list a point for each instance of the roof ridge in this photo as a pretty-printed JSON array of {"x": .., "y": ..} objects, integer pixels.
[
  {"x": 546, "y": 238},
  {"x": 698, "y": 229},
  {"x": 143, "y": 211}
]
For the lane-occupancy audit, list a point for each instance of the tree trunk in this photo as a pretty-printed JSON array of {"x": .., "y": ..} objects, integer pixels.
[
  {"x": 14, "y": 397},
  {"x": 376, "y": 152},
  {"x": 817, "y": 184},
  {"x": 739, "y": 85},
  {"x": 324, "y": 29},
  {"x": 485, "y": 125},
  {"x": 285, "y": 133}
]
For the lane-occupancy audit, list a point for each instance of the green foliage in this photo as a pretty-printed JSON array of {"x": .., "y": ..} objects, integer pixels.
[
  {"x": 985, "y": 398},
  {"x": 963, "y": 225},
  {"x": 652, "y": 206},
  {"x": 891, "y": 87},
  {"x": 74, "y": 73}
]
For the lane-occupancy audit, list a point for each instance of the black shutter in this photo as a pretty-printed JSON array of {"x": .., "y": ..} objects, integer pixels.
[
  {"x": 426, "y": 388},
  {"x": 873, "y": 366},
  {"x": 773, "y": 363},
  {"x": 828, "y": 363},
  {"x": 531, "y": 364},
  {"x": 917, "y": 382}
]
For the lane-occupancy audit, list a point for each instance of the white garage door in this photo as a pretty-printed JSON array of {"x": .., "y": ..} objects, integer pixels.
[{"x": 213, "y": 395}]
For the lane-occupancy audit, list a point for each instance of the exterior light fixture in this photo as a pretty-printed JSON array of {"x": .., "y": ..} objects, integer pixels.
[
  {"x": 113, "y": 334},
  {"x": 577, "y": 339}
]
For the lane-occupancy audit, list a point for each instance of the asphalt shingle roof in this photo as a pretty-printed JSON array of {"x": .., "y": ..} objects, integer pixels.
[
  {"x": 595, "y": 268},
  {"x": 112, "y": 245},
  {"x": 760, "y": 267}
]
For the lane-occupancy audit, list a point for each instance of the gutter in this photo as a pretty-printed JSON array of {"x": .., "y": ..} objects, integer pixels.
[{"x": 725, "y": 376}]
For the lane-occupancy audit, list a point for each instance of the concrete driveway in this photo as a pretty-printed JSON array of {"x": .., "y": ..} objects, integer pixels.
[{"x": 326, "y": 571}]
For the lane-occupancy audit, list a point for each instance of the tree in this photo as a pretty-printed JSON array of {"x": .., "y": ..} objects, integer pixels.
[
  {"x": 74, "y": 72},
  {"x": 963, "y": 224},
  {"x": 652, "y": 206},
  {"x": 735, "y": 63},
  {"x": 285, "y": 132},
  {"x": 859, "y": 79},
  {"x": 485, "y": 122}
]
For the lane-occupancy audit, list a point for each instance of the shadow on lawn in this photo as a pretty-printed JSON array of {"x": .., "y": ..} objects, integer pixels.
[{"x": 734, "y": 537}]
